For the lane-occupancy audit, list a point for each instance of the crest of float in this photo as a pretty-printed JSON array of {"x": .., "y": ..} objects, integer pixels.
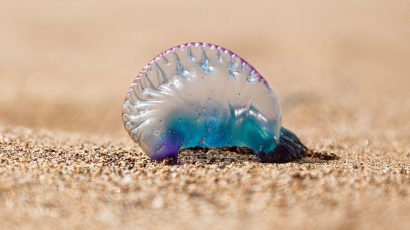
[{"x": 203, "y": 95}]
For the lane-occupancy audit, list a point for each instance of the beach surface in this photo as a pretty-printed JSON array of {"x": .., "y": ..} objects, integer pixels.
[{"x": 341, "y": 70}]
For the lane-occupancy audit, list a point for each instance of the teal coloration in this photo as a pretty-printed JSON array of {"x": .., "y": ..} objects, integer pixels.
[
  {"x": 216, "y": 128},
  {"x": 203, "y": 95}
]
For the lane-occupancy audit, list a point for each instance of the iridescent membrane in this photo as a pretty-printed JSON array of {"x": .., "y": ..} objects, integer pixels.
[{"x": 202, "y": 95}]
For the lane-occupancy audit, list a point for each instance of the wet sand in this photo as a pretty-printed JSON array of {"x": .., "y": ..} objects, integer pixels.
[{"x": 341, "y": 70}]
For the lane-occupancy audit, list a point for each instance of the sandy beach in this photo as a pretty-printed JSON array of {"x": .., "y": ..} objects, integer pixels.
[{"x": 340, "y": 68}]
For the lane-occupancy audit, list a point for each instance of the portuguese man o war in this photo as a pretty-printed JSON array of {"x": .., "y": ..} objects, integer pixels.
[{"x": 203, "y": 95}]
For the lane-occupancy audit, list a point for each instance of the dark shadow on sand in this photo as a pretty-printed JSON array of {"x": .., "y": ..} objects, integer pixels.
[{"x": 229, "y": 155}]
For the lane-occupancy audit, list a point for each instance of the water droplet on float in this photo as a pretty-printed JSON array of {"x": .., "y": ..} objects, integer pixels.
[{"x": 156, "y": 132}]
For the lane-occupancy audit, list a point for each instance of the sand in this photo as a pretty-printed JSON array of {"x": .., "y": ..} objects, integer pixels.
[{"x": 341, "y": 70}]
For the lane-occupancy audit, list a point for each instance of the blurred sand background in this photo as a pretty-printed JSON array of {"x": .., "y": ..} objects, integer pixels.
[{"x": 341, "y": 69}]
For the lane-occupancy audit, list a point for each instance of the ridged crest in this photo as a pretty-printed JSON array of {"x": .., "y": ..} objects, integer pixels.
[{"x": 198, "y": 83}]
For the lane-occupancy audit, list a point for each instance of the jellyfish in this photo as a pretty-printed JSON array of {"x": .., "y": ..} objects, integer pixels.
[{"x": 203, "y": 95}]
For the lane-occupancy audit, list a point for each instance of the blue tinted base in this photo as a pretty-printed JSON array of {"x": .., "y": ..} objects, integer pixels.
[
  {"x": 289, "y": 148},
  {"x": 214, "y": 129}
]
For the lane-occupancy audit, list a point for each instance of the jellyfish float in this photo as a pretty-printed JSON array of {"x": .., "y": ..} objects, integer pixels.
[{"x": 203, "y": 95}]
